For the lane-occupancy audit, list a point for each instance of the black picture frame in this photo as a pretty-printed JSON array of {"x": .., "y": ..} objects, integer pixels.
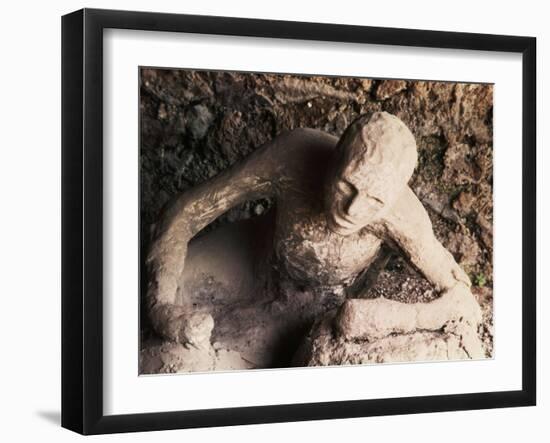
[{"x": 82, "y": 219}]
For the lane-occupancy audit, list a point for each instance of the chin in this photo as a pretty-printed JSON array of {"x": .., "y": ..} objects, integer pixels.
[
  {"x": 344, "y": 232},
  {"x": 342, "y": 229}
]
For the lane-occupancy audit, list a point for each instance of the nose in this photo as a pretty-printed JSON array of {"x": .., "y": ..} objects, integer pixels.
[{"x": 352, "y": 208}]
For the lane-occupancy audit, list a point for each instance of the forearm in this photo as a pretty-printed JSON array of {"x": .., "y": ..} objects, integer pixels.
[
  {"x": 170, "y": 320},
  {"x": 202, "y": 204},
  {"x": 190, "y": 213},
  {"x": 456, "y": 301},
  {"x": 408, "y": 226},
  {"x": 371, "y": 319},
  {"x": 437, "y": 264}
]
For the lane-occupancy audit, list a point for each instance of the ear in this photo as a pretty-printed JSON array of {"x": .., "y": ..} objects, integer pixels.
[{"x": 371, "y": 135}]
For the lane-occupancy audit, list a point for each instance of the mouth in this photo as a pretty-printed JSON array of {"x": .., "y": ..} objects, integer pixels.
[{"x": 340, "y": 224}]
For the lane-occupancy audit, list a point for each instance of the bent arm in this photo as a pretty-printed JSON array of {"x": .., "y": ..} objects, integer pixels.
[
  {"x": 408, "y": 226},
  {"x": 192, "y": 211}
]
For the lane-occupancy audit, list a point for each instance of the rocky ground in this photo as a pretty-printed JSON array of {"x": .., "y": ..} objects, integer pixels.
[{"x": 195, "y": 124}]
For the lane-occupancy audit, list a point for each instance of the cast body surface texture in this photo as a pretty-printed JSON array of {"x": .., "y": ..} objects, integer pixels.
[{"x": 322, "y": 246}]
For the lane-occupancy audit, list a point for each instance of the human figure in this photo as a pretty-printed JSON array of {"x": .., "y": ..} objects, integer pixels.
[{"x": 335, "y": 203}]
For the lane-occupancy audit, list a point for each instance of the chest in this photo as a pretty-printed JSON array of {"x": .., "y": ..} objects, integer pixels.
[{"x": 313, "y": 255}]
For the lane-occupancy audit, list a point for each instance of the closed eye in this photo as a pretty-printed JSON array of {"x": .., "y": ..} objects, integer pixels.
[
  {"x": 376, "y": 199},
  {"x": 346, "y": 187}
]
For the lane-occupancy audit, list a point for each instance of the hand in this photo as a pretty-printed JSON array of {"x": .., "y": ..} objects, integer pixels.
[
  {"x": 469, "y": 338},
  {"x": 455, "y": 305},
  {"x": 175, "y": 323},
  {"x": 457, "y": 312},
  {"x": 195, "y": 329}
]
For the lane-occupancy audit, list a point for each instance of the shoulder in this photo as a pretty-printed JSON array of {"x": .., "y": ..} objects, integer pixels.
[
  {"x": 307, "y": 139},
  {"x": 305, "y": 145},
  {"x": 407, "y": 217},
  {"x": 299, "y": 152},
  {"x": 291, "y": 145}
]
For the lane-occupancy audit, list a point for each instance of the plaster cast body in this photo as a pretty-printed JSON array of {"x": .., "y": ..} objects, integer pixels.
[{"x": 337, "y": 202}]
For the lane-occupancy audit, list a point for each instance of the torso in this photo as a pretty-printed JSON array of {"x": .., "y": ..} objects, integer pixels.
[
  {"x": 305, "y": 248},
  {"x": 312, "y": 255}
]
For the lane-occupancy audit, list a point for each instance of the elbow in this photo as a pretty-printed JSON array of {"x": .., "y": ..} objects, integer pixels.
[{"x": 164, "y": 320}]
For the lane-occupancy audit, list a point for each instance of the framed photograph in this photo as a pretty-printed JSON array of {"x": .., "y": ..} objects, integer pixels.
[{"x": 269, "y": 221}]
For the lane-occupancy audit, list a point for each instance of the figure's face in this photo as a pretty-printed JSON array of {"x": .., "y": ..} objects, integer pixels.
[
  {"x": 350, "y": 202},
  {"x": 374, "y": 160}
]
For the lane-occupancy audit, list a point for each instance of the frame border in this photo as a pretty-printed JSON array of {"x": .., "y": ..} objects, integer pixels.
[{"x": 82, "y": 220}]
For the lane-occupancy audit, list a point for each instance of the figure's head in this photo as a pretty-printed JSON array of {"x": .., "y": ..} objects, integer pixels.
[{"x": 375, "y": 160}]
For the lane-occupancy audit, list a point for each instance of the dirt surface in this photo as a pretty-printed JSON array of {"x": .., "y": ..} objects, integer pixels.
[{"x": 196, "y": 124}]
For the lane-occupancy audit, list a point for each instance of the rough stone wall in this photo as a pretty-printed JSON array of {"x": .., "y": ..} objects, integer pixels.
[{"x": 195, "y": 124}]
